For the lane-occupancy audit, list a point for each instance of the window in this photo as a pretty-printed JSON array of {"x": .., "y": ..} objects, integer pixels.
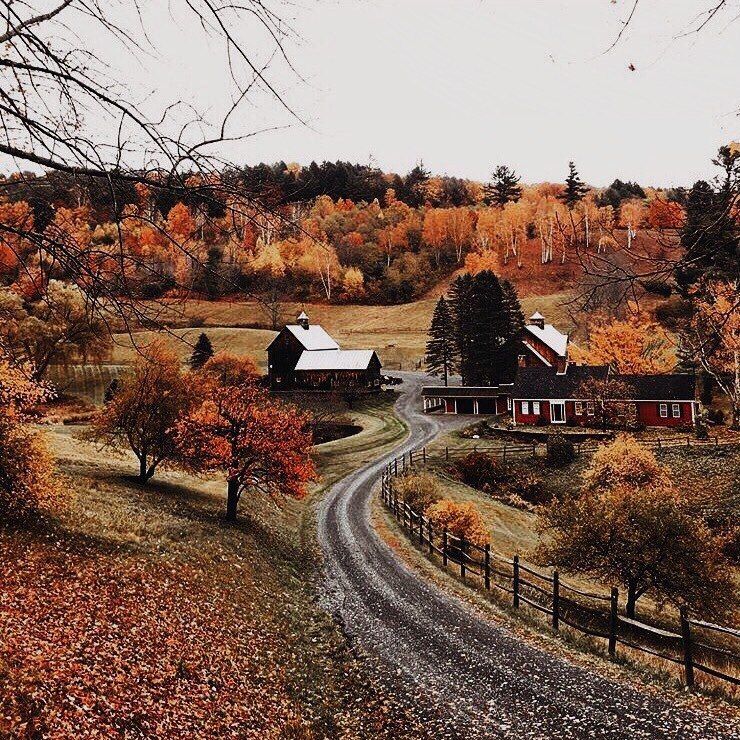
[
  {"x": 579, "y": 408},
  {"x": 676, "y": 410},
  {"x": 525, "y": 407},
  {"x": 508, "y": 403},
  {"x": 535, "y": 407},
  {"x": 663, "y": 411},
  {"x": 590, "y": 408}
]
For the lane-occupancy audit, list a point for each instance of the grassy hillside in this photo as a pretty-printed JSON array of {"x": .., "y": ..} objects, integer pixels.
[
  {"x": 398, "y": 333},
  {"x": 138, "y": 612}
]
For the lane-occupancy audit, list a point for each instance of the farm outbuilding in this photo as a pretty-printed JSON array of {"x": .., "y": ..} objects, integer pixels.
[{"x": 304, "y": 357}]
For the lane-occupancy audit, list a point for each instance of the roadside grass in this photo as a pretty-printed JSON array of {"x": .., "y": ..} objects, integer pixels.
[
  {"x": 139, "y": 611},
  {"x": 631, "y": 665}
]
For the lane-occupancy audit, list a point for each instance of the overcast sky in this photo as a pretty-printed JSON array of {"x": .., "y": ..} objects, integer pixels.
[
  {"x": 465, "y": 85},
  {"x": 468, "y": 84}
]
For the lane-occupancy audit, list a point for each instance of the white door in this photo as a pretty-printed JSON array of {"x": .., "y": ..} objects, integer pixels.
[{"x": 557, "y": 412}]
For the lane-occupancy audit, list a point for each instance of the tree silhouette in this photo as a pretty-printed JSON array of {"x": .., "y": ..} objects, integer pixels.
[
  {"x": 441, "y": 354},
  {"x": 202, "y": 352}
]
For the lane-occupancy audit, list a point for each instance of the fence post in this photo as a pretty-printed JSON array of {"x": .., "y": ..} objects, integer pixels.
[
  {"x": 555, "y": 600},
  {"x": 411, "y": 458},
  {"x": 403, "y": 460},
  {"x": 613, "y": 616},
  {"x": 429, "y": 536},
  {"x": 716, "y": 440},
  {"x": 504, "y": 458},
  {"x": 487, "y": 566},
  {"x": 462, "y": 551},
  {"x": 421, "y": 529},
  {"x": 424, "y": 454},
  {"x": 447, "y": 453},
  {"x": 688, "y": 661},
  {"x": 444, "y": 547},
  {"x": 396, "y": 465},
  {"x": 516, "y": 581},
  {"x": 534, "y": 449}
]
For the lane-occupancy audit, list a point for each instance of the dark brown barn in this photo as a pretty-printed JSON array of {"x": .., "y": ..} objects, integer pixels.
[{"x": 305, "y": 357}]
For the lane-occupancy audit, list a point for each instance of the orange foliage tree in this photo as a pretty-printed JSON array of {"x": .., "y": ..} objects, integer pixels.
[
  {"x": 665, "y": 214},
  {"x": 27, "y": 484},
  {"x": 629, "y": 346},
  {"x": 142, "y": 413},
  {"x": 260, "y": 444},
  {"x": 631, "y": 526}
]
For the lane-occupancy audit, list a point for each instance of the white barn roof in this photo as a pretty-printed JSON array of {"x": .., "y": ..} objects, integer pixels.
[
  {"x": 551, "y": 337},
  {"x": 313, "y": 338},
  {"x": 336, "y": 359}
]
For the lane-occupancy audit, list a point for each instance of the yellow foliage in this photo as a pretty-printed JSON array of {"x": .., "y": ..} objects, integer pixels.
[
  {"x": 418, "y": 490},
  {"x": 631, "y": 346},
  {"x": 624, "y": 462},
  {"x": 460, "y": 520}
]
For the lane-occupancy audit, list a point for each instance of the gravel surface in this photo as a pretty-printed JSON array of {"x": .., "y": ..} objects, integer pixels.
[{"x": 466, "y": 676}]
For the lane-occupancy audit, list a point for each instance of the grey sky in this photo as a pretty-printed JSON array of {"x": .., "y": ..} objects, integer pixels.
[{"x": 467, "y": 84}]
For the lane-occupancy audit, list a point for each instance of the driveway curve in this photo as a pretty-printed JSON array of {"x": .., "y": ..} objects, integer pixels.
[{"x": 467, "y": 676}]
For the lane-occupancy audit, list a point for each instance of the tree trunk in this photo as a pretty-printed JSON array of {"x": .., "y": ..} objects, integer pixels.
[
  {"x": 143, "y": 477},
  {"x": 232, "y": 499}
]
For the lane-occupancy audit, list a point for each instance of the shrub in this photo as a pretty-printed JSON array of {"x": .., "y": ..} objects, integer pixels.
[
  {"x": 528, "y": 487},
  {"x": 716, "y": 416},
  {"x": 27, "y": 485},
  {"x": 541, "y": 422},
  {"x": 481, "y": 471},
  {"x": 418, "y": 490},
  {"x": 624, "y": 462},
  {"x": 560, "y": 451},
  {"x": 460, "y": 520},
  {"x": 700, "y": 429}
]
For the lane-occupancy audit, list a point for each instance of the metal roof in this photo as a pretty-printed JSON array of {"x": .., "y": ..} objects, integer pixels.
[
  {"x": 312, "y": 338},
  {"x": 335, "y": 359},
  {"x": 458, "y": 391},
  {"x": 550, "y": 336}
]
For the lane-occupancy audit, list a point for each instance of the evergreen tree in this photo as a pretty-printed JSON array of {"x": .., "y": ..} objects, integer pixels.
[
  {"x": 575, "y": 188},
  {"x": 711, "y": 235},
  {"x": 441, "y": 355},
  {"x": 488, "y": 325},
  {"x": 202, "y": 352},
  {"x": 459, "y": 300},
  {"x": 413, "y": 186},
  {"x": 504, "y": 187}
]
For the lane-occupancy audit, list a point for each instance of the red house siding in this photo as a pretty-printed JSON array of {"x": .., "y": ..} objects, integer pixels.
[{"x": 648, "y": 412}]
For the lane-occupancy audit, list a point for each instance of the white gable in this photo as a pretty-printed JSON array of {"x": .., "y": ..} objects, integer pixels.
[
  {"x": 313, "y": 338},
  {"x": 551, "y": 337}
]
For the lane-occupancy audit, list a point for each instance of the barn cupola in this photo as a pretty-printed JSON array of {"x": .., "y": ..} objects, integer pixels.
[
  {"x": 537, "y": 319},
  {"x": 303, "y": 319}
]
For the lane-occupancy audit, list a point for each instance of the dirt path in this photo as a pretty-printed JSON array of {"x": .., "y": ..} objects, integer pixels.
[{"x": 469, "y": 677}]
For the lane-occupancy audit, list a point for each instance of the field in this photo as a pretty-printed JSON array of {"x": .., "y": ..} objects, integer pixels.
[
  {"x": 398, "y": 333},
  {"x": 109, "y": 612}
]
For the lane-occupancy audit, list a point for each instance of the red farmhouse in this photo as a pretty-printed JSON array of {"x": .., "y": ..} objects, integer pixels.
[{"x": 548, "y": 388}]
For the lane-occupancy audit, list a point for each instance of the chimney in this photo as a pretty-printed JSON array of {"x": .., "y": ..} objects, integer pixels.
[
  {"x": 537, "y": 319},
  {"x": 303, "y": 320}
]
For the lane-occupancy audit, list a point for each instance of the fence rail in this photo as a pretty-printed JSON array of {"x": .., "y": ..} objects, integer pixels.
[
  {"x": 562, "y": 602},
  {"x": 511, "y": 450}
]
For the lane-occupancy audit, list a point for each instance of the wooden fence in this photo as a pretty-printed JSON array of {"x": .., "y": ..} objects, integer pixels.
[
  {"x": 506, "y": 450},
  {"x": 590, "y": 613}
]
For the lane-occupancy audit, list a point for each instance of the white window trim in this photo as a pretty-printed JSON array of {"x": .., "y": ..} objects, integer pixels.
[
  {"x": 508, "y": 403},
  {"x": 535, "y": 407},
  {"x": 579, "y": 408},
  {"x": 590, "y": 408},
  {"x": 525, "y": 408},
  {"x": 676, "y": 410},
  {"x": 559, "y": 404},
  {"x": 663, "y": 410}
]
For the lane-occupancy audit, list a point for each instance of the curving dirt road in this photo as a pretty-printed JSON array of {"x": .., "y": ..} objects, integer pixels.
[{"x": 466, "y": 676}]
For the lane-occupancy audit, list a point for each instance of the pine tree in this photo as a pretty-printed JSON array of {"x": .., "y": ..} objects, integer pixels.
[
  {"x": 202, "y": 352},
  {"x": 504, "y": 187},
  {"x": 711, "y": 236},
  {"x": 488, "y": 325},
  {"x": 441, "y": 355},
  {"x": 575, "y": 188}
]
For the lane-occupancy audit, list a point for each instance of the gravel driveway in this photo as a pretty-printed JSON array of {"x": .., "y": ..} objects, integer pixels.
[{"x": 466, "y": 676}]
